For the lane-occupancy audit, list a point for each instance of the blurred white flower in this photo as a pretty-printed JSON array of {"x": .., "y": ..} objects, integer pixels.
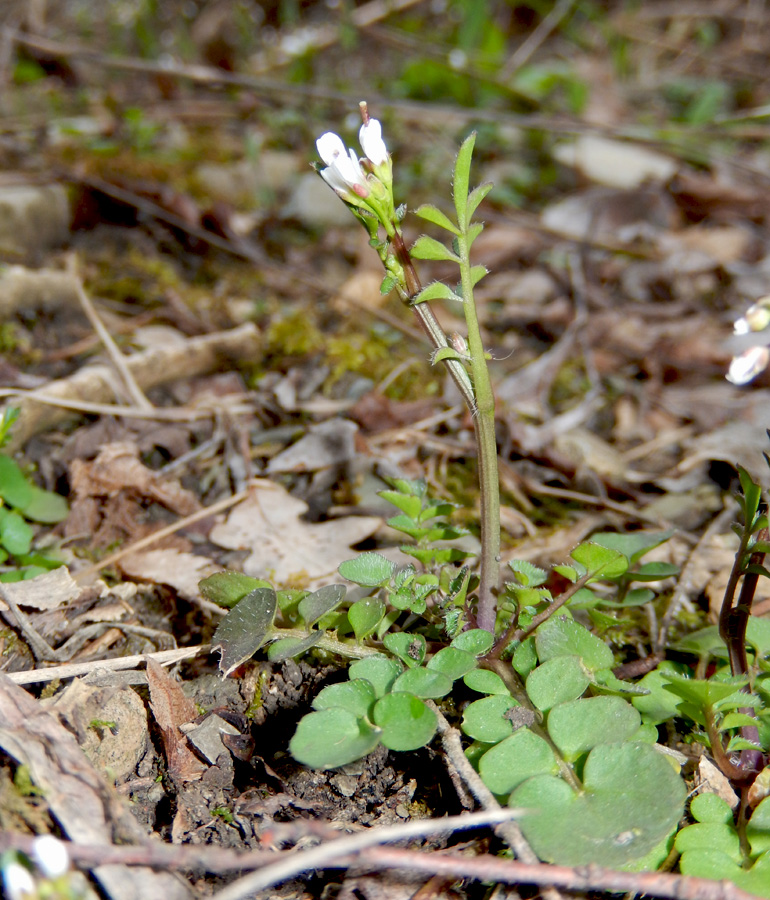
[
  {"x": 343, "y": 173},
  {"x": 757, "y": 317},
  {"x": 51, "y": 856},
  {"x": 18, "y": 883},
  {"x": 748, "y": 365},
  {"x": 370, "y": 137}
]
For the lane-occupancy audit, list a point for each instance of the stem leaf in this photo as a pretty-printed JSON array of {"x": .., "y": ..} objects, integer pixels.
[
  {"x": 433, "y": 214},
  {"x": 461, "y": 180},
  {"x": 436, "y": 291},
  {"x": 476, "y": 196},
  {"x": 477, "y": 273},
  {"x": 429, "y": 248},
  {"x": 474, "y": 231},
  {"x": 446, "y": 353}
]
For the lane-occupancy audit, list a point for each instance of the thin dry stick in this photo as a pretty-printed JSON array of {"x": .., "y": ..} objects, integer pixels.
[
  {"x": 329, "y": 854},
  {"x": 73, "y": 670},
  {"x": 160, "y": 414},
  {"x": 118, "y": 360},
  {"x": 579, "y": 878}
]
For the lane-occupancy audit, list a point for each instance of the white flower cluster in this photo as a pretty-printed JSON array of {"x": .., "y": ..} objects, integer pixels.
[
  {"x": 747, "y": 365},
  {"x": 366, "y": 183},
  {"x": 51, "y": 858}
]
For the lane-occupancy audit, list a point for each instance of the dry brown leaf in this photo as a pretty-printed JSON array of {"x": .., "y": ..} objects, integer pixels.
[
  {"x": 118, "y": 468},
  {"x": 47, "y": 591},
  {"x": 171, "y": 710},
  {"x": 283, "y": 548},
  {"x": 181, "y": 571},
  {"x": 710, "y": 780}
]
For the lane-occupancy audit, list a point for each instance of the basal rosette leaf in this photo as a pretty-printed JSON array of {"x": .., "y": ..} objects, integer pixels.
[{"x": 631, "y": 801}]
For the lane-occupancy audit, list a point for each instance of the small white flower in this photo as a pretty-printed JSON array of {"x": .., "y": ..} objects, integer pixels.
[
  {"x": 18, "y": 882},
  {"x": 748, "y": 365},
  {"x": 343, "y": 173},
  {"x": 756, "y": 318},
  {"x": 51, "y": 856},
  {"x": 370, "y": 137}
]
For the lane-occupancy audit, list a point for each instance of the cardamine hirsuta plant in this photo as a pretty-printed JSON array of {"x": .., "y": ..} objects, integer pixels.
[{"x": 366, "y": 186}]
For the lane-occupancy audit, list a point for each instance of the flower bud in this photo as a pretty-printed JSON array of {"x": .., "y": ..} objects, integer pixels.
[
  {"x": 757, "y": 317},
  {"x": 370, "y": 138}
]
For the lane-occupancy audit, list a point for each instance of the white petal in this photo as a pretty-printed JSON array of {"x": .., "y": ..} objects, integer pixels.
[
  {"x": 18, "y": 882},
  {"x": 741, "y": 326},
  {"x": 372, "y": 143},
  {"x": 335, "y": 181},
  {"x": 51, "y": 856},
  {"x": 330, "y": 147},
  {"x": 748, "y": 365}
]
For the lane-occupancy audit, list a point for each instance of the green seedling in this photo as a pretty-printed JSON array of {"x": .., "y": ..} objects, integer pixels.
[{"x": 22, "y": 503}]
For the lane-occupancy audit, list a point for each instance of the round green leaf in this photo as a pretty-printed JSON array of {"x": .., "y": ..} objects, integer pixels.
[
  {"x": 525, "y": 657},
  {"x": 477, "y": 641},
  {"x": 485, "y": 719},
  {"x": 409, "y": 648},
  {"x": 710, "y": 836},
  {"x": 320, "y": 602},
  {"x": 557, "y": 681},
  {"x": 561, "y": 636},
  {"x": 660, "y": 704},
  {"x": 602, "y": 562},
  {"x": 228, "y": 588},
  {"x": 758, "y": 828},
  {"x": 485, "y": 682},
  {"x": 514, "y": 760},
  {"x": 245, "y": 629},
  {"x": 452, "y": 662},
  {"x": 632, "y": 799},
  {"x": 356, "y": 696},
  {"x": 286, "y": 648},
  {"x": 332, "y": 738},
  {"x": 368, "y": 569},
  {"x": 581, "y": 725},
  {"x": 15, "y": 487},
  {"x": 423, "y": 683},
  {"x": 365, "y": 615},
  {"x": 379, "y": 670},
  {"x": 406, "y": 722},
  {"x": 15, "y": 534},
  {"x": 46, "y": 507}
]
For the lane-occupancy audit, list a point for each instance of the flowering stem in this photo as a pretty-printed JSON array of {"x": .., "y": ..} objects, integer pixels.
[
  {"x": 480, "y": 400},
  {"x": 484, "y": 424}
]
